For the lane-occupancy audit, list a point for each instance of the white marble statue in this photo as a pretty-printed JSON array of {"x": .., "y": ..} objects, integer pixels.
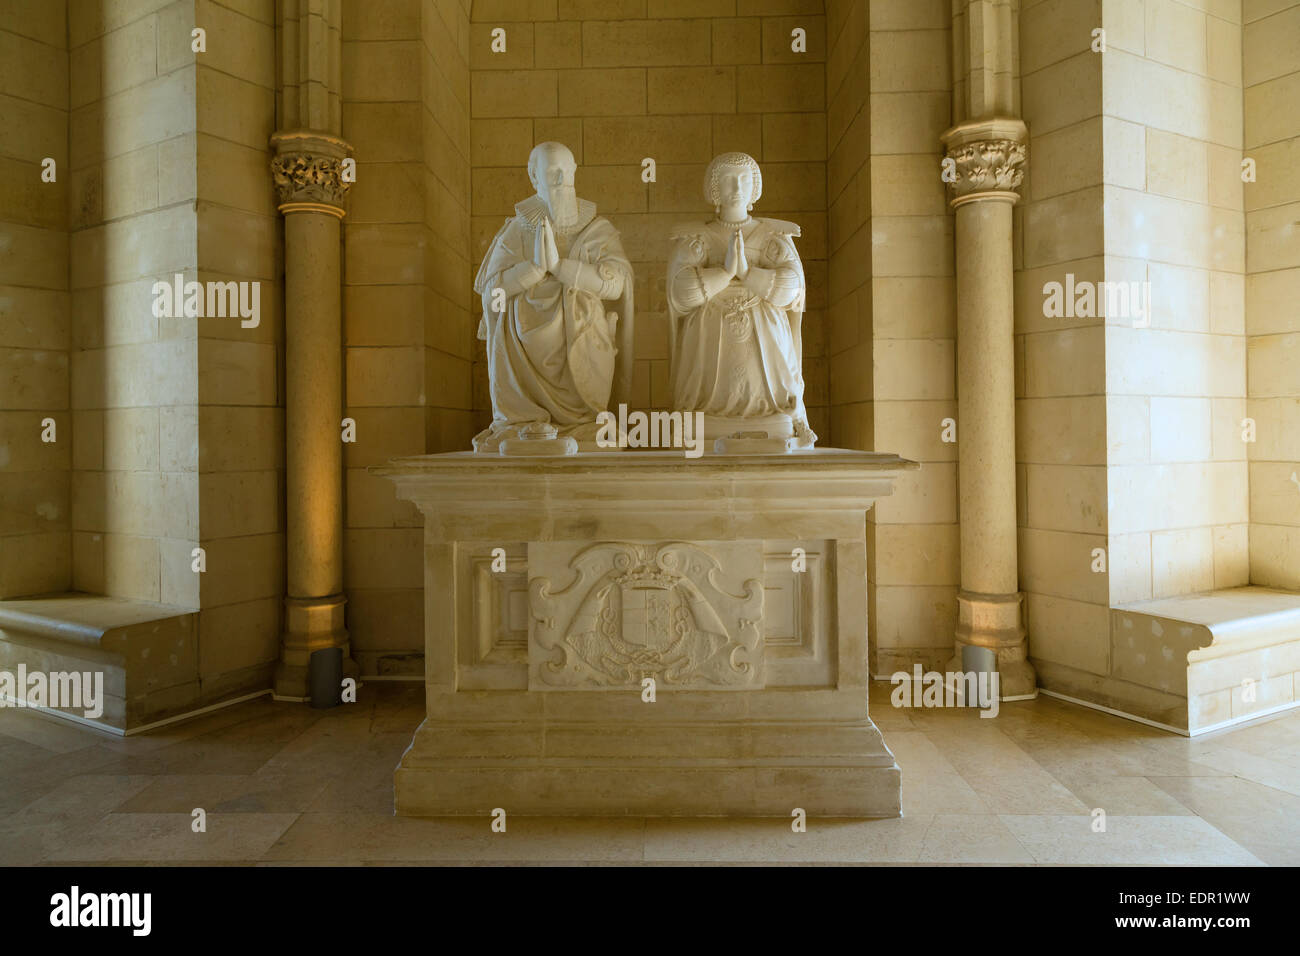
[
  {"x": 736, "y": 296},
  {"x": 556, "y": 357}
]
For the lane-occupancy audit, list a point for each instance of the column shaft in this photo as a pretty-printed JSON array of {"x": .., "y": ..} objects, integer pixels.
[
  {"x": 986, "y": 436},
  {"x": 313, "y": 405}
]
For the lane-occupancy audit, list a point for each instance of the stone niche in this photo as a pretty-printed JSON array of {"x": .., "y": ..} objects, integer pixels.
[{"x": 560, "y": 591}]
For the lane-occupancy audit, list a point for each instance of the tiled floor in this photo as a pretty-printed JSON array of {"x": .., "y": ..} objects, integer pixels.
[{"x": 281, "y": 783}]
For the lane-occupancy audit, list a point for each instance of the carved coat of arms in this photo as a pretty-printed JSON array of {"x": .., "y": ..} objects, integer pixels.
[{"x": 629, "y": 611}]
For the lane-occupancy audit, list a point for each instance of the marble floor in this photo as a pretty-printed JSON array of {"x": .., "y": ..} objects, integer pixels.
[{"x": 283, "y": 784}]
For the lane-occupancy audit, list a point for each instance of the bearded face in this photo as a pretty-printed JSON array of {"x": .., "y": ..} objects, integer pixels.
[
  {"x": 553, "y": 177},
  {"x": 562, "y": 200}
]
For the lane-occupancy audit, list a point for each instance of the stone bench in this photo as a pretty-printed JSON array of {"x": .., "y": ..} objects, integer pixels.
[
  {"x": 1228, "y": 656},
  {"x": 147, "y": 653}
]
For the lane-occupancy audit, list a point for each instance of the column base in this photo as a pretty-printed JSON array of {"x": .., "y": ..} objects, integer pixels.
[
  {"x": 311, "y": 624},
  {"x": 994, "y": 621}
]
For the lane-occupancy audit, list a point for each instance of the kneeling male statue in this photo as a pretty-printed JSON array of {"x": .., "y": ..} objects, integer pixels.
[{"x": 556, "y": 357}]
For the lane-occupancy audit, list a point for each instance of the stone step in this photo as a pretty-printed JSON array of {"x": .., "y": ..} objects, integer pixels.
[
  {"x": 147, "y": 653},
  {"x": 1233, "y": 654}
]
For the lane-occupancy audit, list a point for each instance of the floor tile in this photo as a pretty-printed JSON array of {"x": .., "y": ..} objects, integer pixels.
[
  {"x": 259, "y": 792},
  {"x": 773, "y": 840},
  {"x": 971, "y": 838},
  {"x": 1127, "y": 796},
  {"x": 166, "y": 837},
  {"x": 1127, "y": 840},
  {"x": 930, "y": 783},
  {"x": 368, "y": 836}
]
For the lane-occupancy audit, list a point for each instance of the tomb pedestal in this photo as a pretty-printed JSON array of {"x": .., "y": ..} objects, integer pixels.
[{"x": 560, "y": 591}]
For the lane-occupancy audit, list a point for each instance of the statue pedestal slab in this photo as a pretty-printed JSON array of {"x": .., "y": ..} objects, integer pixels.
[{"x": 562, "y": 594}]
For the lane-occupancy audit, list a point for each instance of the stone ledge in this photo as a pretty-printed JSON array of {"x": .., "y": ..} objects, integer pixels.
[
  {"x": 1228, "y": 621},
  {"x": 1232, "y": 655},
  {"x": 824, "y": 492},
  {"x": 147, "y": 652},
  {"x": 90, "y": 619}
]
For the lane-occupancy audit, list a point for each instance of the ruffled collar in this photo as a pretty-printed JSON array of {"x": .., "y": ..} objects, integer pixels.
[{"x": 533, "y": 212}]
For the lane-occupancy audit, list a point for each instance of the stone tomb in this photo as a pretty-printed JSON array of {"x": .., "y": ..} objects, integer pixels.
[{"x": 560, "y": 592}]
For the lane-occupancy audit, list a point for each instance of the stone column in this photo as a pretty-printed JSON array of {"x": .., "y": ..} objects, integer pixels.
[
  {"x": 307, "y": 170},
  {"x": 988, "y": 156}
]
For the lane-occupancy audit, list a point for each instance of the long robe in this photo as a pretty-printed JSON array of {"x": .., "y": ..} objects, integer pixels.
[
  {"x": 740, "y": 353},
  {"x": 553, "y": 354}
]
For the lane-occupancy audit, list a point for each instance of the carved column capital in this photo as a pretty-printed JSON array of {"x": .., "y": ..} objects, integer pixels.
[
  {"x": 988, "y": 158},
  {"x": 307, "y": 170}
]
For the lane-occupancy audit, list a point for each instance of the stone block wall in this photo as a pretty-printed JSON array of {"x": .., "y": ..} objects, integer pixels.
[
  {"x": 35, "y": 314},
  {"x": 135, "y": 376},
  {"x": 178, "y": 421},
  {"x": 1177, "y": 475},
  {"x": 671, "y": 80},
  {"x": 240, "y": 410},
  {"x": 1061, "y": 421},
  {"x": 408, "y": 324},
  {"x": 1129, "y": 423},
  {"x": 451, "y": 308},
  {"x": 848, "y": 235},
  {"x": 892, "y": 308},
  {"x": 912, "y": 348},
  {"x": 1271, "y": 76}
]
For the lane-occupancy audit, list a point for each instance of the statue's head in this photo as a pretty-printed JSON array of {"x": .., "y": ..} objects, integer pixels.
[
  {"x": 733, "y": 183},
  {"x": 550, "y": 169}
]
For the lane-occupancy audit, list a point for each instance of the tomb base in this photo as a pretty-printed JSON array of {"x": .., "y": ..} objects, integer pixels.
[{"x": 637, "y": 633}]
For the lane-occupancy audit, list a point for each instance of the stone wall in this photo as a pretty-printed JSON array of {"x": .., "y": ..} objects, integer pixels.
[
  {"x": 679, "y": 81},
  {"x": 849, "y": 281},
  {"x": 1177, "y": 476},
  {"x": 240, "y": 411},
  {"x": 35, "y": 317},
  {"x": 1061, "y": 422},
  {"x": 892, "y": 320},
  {"x": 135, "y": 376},
  {"x": 178, "y": 421},
  {"x": 910, "y": 338},
  {"x": 1128, "y": 422},
  {"x": 1271, "y": 61},
  {"x": 409, "y": 330},
  {"x": 848, "y": 194}
]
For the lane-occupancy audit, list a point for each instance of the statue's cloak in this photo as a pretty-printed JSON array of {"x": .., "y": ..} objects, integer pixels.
[
  {"x": 555, "y": 354},
  {"x": 737, "y": 355}
]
